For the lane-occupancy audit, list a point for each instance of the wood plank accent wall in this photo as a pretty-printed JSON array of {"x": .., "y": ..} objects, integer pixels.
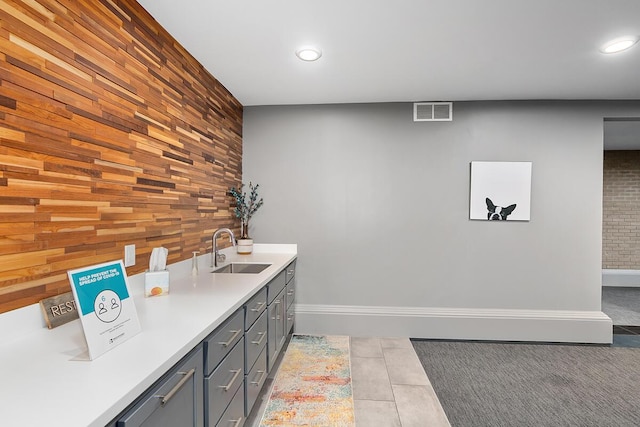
[{"x": 110, "y": 134}]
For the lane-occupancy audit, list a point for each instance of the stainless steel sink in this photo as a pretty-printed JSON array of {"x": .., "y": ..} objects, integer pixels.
[{"x": 241, "y": 268}]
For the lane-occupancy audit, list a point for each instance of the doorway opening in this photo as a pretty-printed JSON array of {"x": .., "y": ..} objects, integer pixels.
[{"x": 621, "y": 224}]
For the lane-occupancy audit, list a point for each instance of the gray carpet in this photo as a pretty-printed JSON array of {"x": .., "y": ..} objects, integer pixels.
[
  {"x": 621, "y": 304},
  {"x": 508, "y": 384}
]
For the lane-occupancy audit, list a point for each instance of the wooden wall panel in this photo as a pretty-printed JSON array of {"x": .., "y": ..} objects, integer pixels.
[{"x": 110, "y": 134}]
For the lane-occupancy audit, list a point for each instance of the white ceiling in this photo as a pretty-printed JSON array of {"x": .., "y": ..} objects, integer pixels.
[{"x": 409, "y": 50}]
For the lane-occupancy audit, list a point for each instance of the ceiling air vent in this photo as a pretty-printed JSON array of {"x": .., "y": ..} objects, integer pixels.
[{"x": 432, "y": 111}]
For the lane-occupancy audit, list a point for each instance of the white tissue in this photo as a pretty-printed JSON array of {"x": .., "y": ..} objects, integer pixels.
[{"x": 158, "y": 259}]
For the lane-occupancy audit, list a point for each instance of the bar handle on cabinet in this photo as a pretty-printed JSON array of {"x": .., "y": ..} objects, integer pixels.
[
  {"x": 262, "y": 335},
  {"x": 167, "y": 397},
  {"x": 258, "y": 306},
  {"x": 276, "y": 303},
  {"x": 262, "y": 374},
  {"x": 236, "y": 372},
  {"x": 233, "y": 337}
]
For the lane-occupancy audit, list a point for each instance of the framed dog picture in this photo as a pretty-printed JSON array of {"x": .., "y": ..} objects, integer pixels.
[{"x": 500, "y": 191}]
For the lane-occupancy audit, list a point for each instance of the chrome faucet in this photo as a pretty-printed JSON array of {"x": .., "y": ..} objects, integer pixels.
[{"x": 215, "y": 256}]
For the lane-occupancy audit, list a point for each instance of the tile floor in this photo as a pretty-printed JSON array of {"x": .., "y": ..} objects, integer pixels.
[{"x": 390, "y": 387}]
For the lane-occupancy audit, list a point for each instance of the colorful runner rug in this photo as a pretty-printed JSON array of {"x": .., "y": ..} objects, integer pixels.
[{"x": 313, "y": 384}]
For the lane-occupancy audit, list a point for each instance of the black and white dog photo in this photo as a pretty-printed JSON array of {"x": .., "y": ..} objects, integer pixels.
[{"x": 498, "y": 213}]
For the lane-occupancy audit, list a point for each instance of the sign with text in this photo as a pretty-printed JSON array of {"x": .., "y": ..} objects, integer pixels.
[
  {"x": 59, "y": 309},
  {"x": 105, "y": 305}
]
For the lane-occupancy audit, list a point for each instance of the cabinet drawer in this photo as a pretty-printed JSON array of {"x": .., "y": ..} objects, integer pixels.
[
  {"x": 222, "y": 340},
  {"x": 234, "y": 415},
  {"x": 255, "y": 307},
  {"x": 276, "y": 285},
  {"x": 181, "y": 392},
  {"x": 291, "y": 317},
  {"x": 255, "y": 340},
  {"x": 222, "y": 384},
  {"x": 290, "y": 272},
  {"x": 290, "y": 295},
  {"x": 255, "y": 380}
]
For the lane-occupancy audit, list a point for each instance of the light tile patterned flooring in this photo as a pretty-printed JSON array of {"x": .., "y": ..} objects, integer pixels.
[{"x": 390, "y": 387}]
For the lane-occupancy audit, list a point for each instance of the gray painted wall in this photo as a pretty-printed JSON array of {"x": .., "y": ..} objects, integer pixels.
[{"x": 379, "y": 205}]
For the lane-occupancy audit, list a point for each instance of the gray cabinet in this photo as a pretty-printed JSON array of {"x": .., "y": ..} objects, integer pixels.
[
  {"x": 290, "y": 297},
  {"x": 176, "y": 400},
  {"x": 233, "y": 416},
  {"x": 221, "y": 385},
  {"x": 276, "y": 323},
  {"x": 255, "y": 347},
  {"x": 224, "y": 370},
  {"x": 255, "y": 307},
  {"x": 275, "y": 317},
  {"x": 290, "y": 271},
  {"x": 255, "y": 379},
  {"x": 218, "y": 344},
  {"x": 281, "y": 295},
  {"x": 218, "y": 383},
  {"x": 255, "y": 340}
]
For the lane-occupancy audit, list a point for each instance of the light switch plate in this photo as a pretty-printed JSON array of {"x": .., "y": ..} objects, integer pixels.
[{"x": 129, "y": 255}]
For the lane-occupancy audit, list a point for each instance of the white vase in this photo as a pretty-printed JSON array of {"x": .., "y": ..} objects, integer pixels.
[{"x": 244, "y": 246}]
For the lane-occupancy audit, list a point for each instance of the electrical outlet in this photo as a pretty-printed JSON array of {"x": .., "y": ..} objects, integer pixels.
[{"x": 129, "y": 255}]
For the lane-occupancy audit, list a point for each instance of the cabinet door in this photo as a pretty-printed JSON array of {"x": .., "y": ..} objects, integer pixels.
[
  {"x": 275, "y": 286},
  {"x": 255, "y": 340},
  {"x": 234, "y": 415},
  {"x": 175, "y": 401},
  {"x": 222, "y": 340},
  {"x": 254, "y": 381},
  {"x": 281, "y": 322},
  {"x": 290, "y": 271},
  {"x": 255, "y": 307},
  {"x": 276, "y": 324},
  {"x": 291, "y": 316},
  {"x": 290, "y": 296},
  {"x": 222, "y": 384}
]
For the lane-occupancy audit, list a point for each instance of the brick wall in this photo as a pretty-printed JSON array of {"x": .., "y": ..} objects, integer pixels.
[
  {"x": 621, "y": 210},
  {"x": 110, "y": 134}
]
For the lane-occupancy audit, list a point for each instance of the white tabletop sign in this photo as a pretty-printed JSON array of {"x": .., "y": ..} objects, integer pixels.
[{"x": 106, "y": 308}]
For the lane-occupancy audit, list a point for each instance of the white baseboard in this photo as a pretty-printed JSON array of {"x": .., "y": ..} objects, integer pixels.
[
  {"x": 626, "y": 278},
  {"x": 455, "y": 323}
]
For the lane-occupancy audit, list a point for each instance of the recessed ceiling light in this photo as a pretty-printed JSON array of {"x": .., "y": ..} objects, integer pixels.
[
  {"x": 309, "y": 53},
  {"x": 619, "y": 44}
]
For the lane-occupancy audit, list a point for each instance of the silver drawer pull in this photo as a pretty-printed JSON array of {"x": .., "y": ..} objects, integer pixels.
[
  {"x": 262, "y": 335},
  {"x": 289, "y": 318},
  {"x": 277, "y": 301},
  {"x": 235, "y": 334},
  {"x": 262, "y": 374},
  {"x": 237, "y": 422},
  {"x": 290, "y": 271},
  {"x": 290, "y": 293},
  {"x": 187, "y": 376},
  {"x": 259, "y": 306},
  {"x": 236, "y": 372}
]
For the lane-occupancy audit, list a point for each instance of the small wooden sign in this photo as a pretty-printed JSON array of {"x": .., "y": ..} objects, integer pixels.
[{"x": 59, "y": 310}]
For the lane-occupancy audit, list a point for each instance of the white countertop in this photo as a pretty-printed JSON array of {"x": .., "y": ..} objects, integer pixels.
[{"x": 47, "y": 378}]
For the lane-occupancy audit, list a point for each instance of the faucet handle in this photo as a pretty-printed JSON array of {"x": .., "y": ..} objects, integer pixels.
[{"x": 220, "y": 257}]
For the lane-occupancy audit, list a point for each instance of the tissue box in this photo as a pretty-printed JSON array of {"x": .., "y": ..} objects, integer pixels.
[{"x": 156, "y": 283}]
